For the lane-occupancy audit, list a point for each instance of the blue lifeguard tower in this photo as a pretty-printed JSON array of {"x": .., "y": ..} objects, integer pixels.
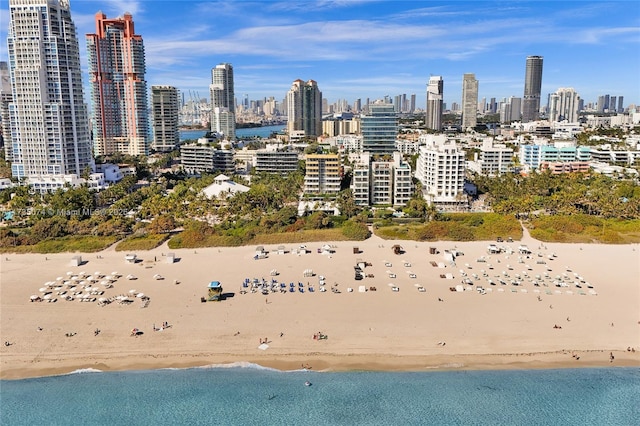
[{"x": 215, "y": 291}]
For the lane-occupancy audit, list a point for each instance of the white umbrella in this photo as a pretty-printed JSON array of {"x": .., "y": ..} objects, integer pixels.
[
  {"x": 131, "y": 291},
  {"x": 140, "y": 295},
  {"x": 47, "y": 296},
  {"x": 59, "y": 279},
  {"x": 102, "y": 299},
  {"x": 34, "y": 297},
  {"x": 43, "y": 289}
]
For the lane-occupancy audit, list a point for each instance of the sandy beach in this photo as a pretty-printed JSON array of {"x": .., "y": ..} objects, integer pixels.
[{"x": 499, "y": 326}]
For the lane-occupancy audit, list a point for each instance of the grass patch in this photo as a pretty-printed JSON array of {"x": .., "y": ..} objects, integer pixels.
[
  {"x": 585, "y": 229},
  {"x": 455, "y": 227},
  {"x": 82, "y": 244},
  {"x": 141, "y": 242},
  {"x": 303, "y": 236}
]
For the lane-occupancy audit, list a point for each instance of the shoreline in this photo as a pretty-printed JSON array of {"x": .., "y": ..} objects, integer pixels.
[
  {"x": 503, "y": 328},
  {"x": 333, "y": 363}
]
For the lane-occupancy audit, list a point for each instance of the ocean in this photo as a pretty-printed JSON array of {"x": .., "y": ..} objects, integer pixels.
[
  {"x": 247, "y": 394},
  {"x": 263, "y": 132}
]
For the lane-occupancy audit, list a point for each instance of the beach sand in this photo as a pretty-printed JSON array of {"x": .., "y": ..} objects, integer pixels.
[{"x": 376, "y": 330}]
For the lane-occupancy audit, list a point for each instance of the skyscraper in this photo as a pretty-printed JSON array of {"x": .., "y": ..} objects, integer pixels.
[
  {"x": 5, "y": 100},
  {"x": 49, "y": 121},
  {"x": 564, "y": 105},
  {"x": 223, "y": 104},
  {"x": 532, "y": 89},
  {"x": 165, "y": 113},
  {"x": 435, "y": 90},
  {"x": 304, "y": 108},
  {"x": 621, "y": 104},
  {"x": 118, "y": 87},
  {"x": 379, "y": 129},
  {"x": 469, "y": 101}
]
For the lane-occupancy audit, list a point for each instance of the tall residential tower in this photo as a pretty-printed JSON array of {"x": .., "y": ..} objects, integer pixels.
[
  {"x": 165, "y": 109},
  {"x": 304, "y": 108},
  {"x": 532, "y": 89},
  {"x": 118, "y": 87},
  {"x": 469, "y": 101},
  {"x": 223, "y": 102},
  {"x": 435, "y": 90},
  {"x": 48, "y": 116}
]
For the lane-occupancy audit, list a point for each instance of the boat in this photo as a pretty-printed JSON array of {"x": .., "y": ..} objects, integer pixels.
[{"x": 307, "y": 383}]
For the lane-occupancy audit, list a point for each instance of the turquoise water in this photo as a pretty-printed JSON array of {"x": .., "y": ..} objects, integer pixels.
[
  {"x": 252, "y": 395},
  {"x": 263, "y": 132}
]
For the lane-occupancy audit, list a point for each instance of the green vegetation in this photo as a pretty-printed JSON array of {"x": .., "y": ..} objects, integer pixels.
[
  {"x": 585, "y": 229},
  {"x": 141, "y": 242},
  {"x": 455, "y": 227},
  {"x": 565, "y": 194},
  {"x": 81, "y": 244}
]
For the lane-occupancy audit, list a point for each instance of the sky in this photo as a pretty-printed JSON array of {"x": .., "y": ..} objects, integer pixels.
[{"x": 372, "y": 48}]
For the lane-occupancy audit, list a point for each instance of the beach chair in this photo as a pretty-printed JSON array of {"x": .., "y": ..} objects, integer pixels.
[{"x": 292, "y": 290}]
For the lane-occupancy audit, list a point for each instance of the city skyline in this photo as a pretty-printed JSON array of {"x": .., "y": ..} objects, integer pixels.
[{"x": 370, "y": 49}]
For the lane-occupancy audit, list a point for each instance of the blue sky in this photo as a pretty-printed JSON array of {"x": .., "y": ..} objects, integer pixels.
[{"x": 369, "y": 49}]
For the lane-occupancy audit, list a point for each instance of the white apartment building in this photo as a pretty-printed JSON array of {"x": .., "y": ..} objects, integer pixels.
[
  {"x": 47, "y": 115},
  {"x": 381, "y": 182},
  {"x": 441, "y": 170},
  {"x": 492, "y": 160},
  {"x": 360, "y": 180},
  {"x": 402, "y": 181},
  {"x": 201, "y": 158}
]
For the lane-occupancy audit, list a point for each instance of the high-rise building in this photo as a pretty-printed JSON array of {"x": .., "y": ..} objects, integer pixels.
[
  {"x": 532, "y": 89},
  {"x": 5, "y": 100},
  {"x": 510, "y": 110},
  {"x": 166, "y": 117},
  {"x": 564, "y": 105},
  {"x": 48, "y": 117},
  {"x": 620, "y": 104},
  {"x": 469, "y": 101},
  {"x": 435, "y": 90},
  {"x": 412, "y": 106},
  {"x": 304, "y": 108},
  {"x": 379, "y": 129},
  {"x": 118, "y": 87},
  {"x": 223, "y": 103},
  {"x": 612, "y": 104}
]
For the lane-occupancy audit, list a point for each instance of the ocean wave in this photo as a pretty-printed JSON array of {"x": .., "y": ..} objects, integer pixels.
[
  {"x": 240, "y": 364},
  {"x": 84, "y": 371}
]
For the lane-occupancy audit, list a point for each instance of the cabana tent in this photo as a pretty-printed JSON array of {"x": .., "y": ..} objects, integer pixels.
[{"x": 76, "y": 261}]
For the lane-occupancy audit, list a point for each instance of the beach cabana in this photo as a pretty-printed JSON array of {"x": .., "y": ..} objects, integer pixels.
[
  {"x": 76, "y": 261},
  {"x": 171, "y": 257},
  {"x": 261, "y": 253},
  {"x": 130, "y": 258},
  {"x": 215, "y": 291},
  {"x": 281, "y": 250}
]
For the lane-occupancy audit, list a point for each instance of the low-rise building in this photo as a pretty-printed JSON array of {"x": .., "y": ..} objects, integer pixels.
[
  {"x": 276, "y": 161},
  {"x": 199, "y": 158},
  {"x": 323, "y": 175}
]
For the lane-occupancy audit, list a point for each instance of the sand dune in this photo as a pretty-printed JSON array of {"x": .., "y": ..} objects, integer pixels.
[{"x": 506, "y": 327}]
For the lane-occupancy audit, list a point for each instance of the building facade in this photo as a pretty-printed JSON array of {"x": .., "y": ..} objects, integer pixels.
[
  {"x": 564, "y": 105},
  {"x": 441, "y": 170},
  {"x": 435, "y": 93},
  {"x": 534, "y": 155},
  {"x": 47, "y": 115},
  {"x": 276, "y": 161},
  {"x": 223, "y": 103},
  {"x": 323, "y": 175},
  {"x": 202, "y": 158},
  {"x": 469, "y": 101},
  {"x": 532, "y": 89},
  {"x": 165, "y": 108},
  {"x": 118, "y": 87},
  {"x": 379, "y": 129},
  {"x": 304, "y": 108}
]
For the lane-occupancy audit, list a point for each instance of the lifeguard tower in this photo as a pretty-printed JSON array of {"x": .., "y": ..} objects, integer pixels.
[{"x": 215, "y": 291}]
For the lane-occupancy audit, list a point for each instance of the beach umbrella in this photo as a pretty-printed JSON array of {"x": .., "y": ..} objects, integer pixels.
[
  {"x": 131, "y": 291},
  {"x": 34, "y": 297},
  {"x": 47, "y": 296},
  {"x": 42, "y": 289},
  {"x": 140, "y": 295}
]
